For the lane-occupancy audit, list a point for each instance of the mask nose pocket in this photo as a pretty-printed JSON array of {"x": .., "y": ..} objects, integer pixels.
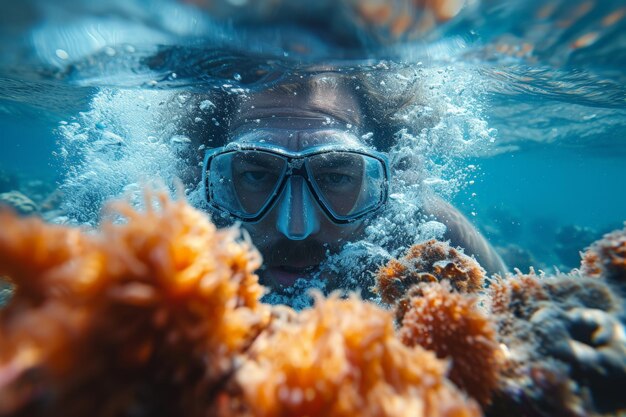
[{"x": 297, "y": 211}]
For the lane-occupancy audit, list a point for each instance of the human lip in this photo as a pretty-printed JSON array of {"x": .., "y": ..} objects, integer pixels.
[{"x": 287, "y": 275}]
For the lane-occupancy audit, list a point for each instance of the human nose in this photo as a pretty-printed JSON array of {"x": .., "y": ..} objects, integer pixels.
[{"x": 298, "y": 215}]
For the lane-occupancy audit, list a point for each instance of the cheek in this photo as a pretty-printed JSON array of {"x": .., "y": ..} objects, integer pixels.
[
  {"x": 262, "y": 231},
  {"x": 331, "y": 232}
]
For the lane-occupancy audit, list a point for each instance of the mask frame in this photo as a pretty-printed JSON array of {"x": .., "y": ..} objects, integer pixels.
[{"x": 296, "y": 165}]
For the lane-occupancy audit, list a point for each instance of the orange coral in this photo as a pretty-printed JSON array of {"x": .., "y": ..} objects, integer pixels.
[
  {"x": 510, "y": 294},
  {"x": 342, "y": 358},
  {"x": 607, "y": 257},
  {"x": 452, "y": 326},
  {"x": 146, "y": 315},
  {"x": 160, "y": 315},
  {"x": 431, "y": 261}
]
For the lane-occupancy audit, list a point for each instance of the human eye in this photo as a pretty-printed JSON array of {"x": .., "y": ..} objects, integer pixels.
[
  {"x": 257, "y": 177},
  {"x": 335, "y": 179}
]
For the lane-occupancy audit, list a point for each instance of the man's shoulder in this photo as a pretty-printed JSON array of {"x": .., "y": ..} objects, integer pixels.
[{"x": 461, "y": 232}]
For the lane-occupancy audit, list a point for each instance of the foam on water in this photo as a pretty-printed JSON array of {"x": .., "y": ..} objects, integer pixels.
[{"x": 125, "y": 141}]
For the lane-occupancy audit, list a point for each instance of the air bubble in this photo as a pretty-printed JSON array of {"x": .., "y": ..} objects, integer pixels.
[
  {"x": 206, "y": 105},
  {"x": 61, "y": 54},
  {"x": 179, "y": 139}
]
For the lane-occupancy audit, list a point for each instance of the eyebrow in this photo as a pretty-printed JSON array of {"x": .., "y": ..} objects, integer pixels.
[
  {"x": 342, "y": 161},
  {"x": 255, "y": 160}
]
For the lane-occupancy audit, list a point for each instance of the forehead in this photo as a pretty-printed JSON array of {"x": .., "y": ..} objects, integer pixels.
[
  {"x": 319, "y": 97},
  {"x": 297, "y": 116},
  {"x": 296, "y": 140}
]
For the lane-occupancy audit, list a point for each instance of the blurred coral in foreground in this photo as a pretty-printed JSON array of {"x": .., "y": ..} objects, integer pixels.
[
  {"x": 453, "y": 327},
  {"x": 159, "y": 315},
  {"x": 144, "y": 317},
  {"x": 342, "y": 358}
]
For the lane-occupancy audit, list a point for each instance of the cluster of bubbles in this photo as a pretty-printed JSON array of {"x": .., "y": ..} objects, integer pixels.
[
  {"x": 127, "y": 140},
  {"x": 444, "y": 128}
]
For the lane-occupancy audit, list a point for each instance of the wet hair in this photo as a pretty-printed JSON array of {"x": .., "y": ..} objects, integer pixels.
[{"x": 383, "y": 98}]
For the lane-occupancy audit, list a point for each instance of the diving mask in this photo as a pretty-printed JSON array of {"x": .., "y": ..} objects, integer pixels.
[{"x": 245, "y": 180}]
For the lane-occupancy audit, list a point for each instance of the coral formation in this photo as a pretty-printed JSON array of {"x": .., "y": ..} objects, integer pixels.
[
  {"x": 451, "y": 325},
  {"x": 19, "y": 202},
  {"x": 146, "y": 316},
  {"x": 564, "y": 341},
  {"x": 159, "y": 314},
  {"x": 557, "y": 339},
  {"x": 431, "y": 261},
  {"x": 607, "y": 257},
  {"x": 344, "y": 359}
]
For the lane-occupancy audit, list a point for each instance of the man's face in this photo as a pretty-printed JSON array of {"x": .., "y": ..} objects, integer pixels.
[{"x": 295, "y": 236}]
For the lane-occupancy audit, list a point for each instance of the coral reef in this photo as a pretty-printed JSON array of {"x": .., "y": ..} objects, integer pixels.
[
  {"x": 564, "y": 343},
  {"x": 19, "y": 202},
  {"x": 607, "y": 257},
  {"x": 158, "y": 313},
  {"x": 451, "y": 325},
  {"x": 344, "y": 359},
  {"x": 144, "y": 318},
  {"x": 546, "y": 346},
  {"x": 431, "y": 261}
]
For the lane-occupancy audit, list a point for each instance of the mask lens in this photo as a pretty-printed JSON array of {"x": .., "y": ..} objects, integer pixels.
[
  {"x": 349, "y": 184},
  {"x": 243, "y": 182}
]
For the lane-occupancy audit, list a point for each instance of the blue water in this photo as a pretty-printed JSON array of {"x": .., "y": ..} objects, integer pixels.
[{"x": 537, "y": 89}]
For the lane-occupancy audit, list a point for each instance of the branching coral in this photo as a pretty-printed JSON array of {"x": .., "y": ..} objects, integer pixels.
[
  {"x": 343, "y": 359},
  {"x": 453, "y": 327},
  {"x": 145, "y": 316}
]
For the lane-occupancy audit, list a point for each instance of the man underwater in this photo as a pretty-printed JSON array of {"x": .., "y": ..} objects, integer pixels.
[{"x": 291, "y": 165}]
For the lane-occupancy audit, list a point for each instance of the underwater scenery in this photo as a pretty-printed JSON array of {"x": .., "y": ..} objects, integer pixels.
[{"x": 331, "y": 208}]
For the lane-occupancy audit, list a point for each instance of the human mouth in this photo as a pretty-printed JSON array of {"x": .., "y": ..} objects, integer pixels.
[{"x": 287, "y": 275}]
